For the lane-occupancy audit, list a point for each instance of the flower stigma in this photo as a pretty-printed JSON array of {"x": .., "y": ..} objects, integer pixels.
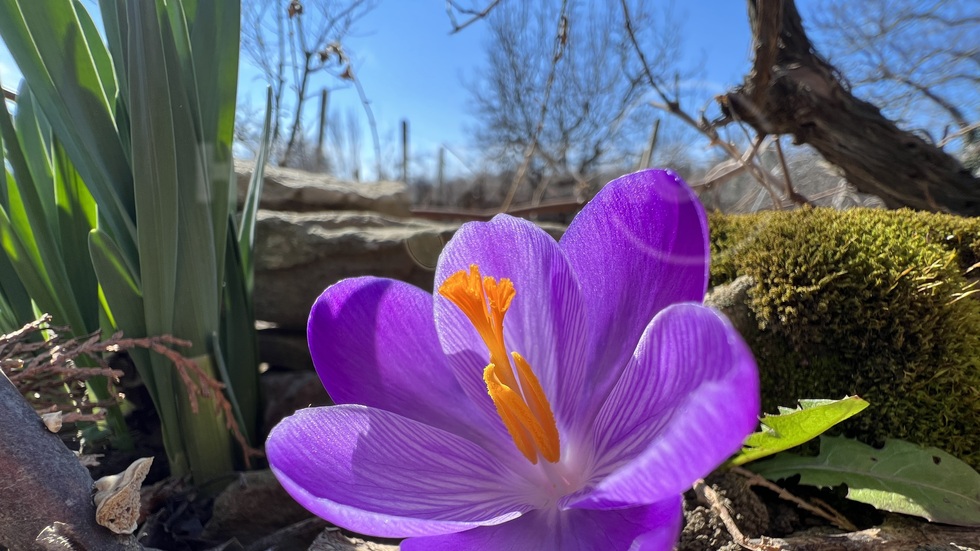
[{"x": 517, "y": 393}]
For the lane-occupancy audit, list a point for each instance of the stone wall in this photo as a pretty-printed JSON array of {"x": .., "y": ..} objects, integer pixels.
[{"x": 313, "y": 230}]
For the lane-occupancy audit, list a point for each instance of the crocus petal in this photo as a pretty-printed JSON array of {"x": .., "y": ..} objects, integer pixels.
[
  {"x": 640, "y": 245},
  {"x": 545, "y": 324},
  {"x": 685, "y": 403},
  {"x": 654, "y": 527},
  {"x": 375, "y": 472},
  {"x": 373, "y": 342}
]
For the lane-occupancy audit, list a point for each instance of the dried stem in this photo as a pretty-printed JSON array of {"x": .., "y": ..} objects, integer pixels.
[
  {"x": 708, "y": 495},
  {"x": 205, "y": 386},
  {"x": 959, "y": 133},
  {"x": 372, "y": 123},
  {"x": 44, "y": 369},
  {"x": 821, "y": 509},
  {"x": 796, "y": 197}
]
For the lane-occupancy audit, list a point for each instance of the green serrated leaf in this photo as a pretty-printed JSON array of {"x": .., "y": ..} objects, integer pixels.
[
  {"x": 900, "y": 477},
  {"x": 792, "y": 427}
]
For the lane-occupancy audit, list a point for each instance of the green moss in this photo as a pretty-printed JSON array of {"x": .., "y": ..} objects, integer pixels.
[{"x": 865, "y": 302}]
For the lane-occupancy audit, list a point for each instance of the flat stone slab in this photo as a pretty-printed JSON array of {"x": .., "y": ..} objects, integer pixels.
[
  {"x": 297, "y": 255},
  {"x": 289, "y": 189}
]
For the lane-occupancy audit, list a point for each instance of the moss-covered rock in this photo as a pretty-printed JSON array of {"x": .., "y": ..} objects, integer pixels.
[{"x": 868, "y": 302}]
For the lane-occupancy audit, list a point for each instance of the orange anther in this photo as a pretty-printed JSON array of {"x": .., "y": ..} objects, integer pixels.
[{"x": 520, "y": 399}]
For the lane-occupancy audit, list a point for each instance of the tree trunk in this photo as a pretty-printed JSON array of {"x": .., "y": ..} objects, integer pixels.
[{"x": 792, "y": 90}]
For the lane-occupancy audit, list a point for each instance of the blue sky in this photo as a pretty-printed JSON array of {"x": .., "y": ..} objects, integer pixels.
[{"x": 412, "y": 67}]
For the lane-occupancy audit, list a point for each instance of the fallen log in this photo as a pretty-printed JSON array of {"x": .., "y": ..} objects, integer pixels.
[{"x": 45, "y": 492}]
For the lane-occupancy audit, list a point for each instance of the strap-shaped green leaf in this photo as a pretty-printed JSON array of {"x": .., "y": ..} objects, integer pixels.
[
  {"x": 155, "y": 172},
  {"x": 26, "y": 267},
  {"x": 180, "y": 283},
  {"x": 77, "y": 216},
  {"x": 155, "y": 182},
  {"x": 32, "y": 246},
  {"x": 50, "y": 46},
  {"x": 213, "y": 34},
  {"x": 15, "y": 302},
  {"x": 238, "y": 344},
  {"x": 246, "y": 231},
  {"x": 69, "y": 214},
  {"x": 34, "y": 138},
  {"x": 100, "y": 55},
  {"x": 125, "y": 304}
]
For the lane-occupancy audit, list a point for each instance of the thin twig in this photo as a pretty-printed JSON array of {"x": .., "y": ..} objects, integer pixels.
[
  {"x": 754, "y": 169},
  {"x": 671, "y": 104},
  {"x": 540, "y": 191},
  {"x": 837, "y": 518},
  {"x": 790, "y": 192},
  {"x": 750, "y": 197},
  {"x": 32, "y": 327},
  {"x": 961, "y": 132},
  {"x": 708, "y": 495},
  {"x": 475, "y": 16},
  {"x": 366, "y": 104},
  {"x": 823, "y": 510}
]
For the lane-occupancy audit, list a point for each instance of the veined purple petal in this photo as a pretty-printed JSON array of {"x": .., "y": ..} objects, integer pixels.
[
  {"x": 378, "y": 473},
  {"x": 545, "y": 324},
  {"x": 685, "y": 403},
  {"x": 640, "y": 245},
  {"x": 654, "y": 527},
  {"x": 373, "y": 342}
]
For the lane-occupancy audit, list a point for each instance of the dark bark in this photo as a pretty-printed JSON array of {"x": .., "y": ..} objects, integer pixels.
[
  {"x": 792, "y": 90},
  {"x": 45, "y": 492}
]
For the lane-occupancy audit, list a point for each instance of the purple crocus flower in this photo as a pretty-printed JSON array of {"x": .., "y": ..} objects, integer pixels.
[{"x": 551, "y": 395}]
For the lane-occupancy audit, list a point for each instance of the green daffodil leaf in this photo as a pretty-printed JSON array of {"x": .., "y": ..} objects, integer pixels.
[
  {"x": 792, "y": 427},
  {"x": 901, "y": 477}
]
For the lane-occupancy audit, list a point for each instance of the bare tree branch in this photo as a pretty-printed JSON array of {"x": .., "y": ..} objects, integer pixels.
[
  {"x": 919, "y": 60},
  {"x": 295, "y": 45},
  {"x": 566, "y": 116},
  {"x": 798, "y": 92},
  {"x": 671, "y": 104},
  {"x": 561, "y": 39},
  {"x": 453, "y": 7}
]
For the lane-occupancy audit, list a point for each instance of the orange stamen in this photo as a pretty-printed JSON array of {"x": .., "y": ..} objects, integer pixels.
[
  {"x": 547, "y": 438},
  {"x": 519, "y": 398}
]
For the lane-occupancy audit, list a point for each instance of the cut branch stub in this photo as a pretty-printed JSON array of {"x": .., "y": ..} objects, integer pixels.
[{"x": 117, "y": 497}]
